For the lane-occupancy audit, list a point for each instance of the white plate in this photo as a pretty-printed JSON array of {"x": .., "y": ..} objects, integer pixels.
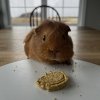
[{"x": 17, "y": 81}]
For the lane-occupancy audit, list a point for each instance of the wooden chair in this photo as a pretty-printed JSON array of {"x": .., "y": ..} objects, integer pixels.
[{"x": 36, "y": 16}]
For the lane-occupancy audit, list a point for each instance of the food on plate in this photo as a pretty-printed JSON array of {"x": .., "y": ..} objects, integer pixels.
[{"x": 53, "y": 81}]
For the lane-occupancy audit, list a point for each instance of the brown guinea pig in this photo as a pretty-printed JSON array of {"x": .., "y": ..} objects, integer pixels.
[{"x": 49, "y": 43}]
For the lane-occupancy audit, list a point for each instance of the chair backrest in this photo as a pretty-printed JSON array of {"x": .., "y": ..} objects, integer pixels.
[{"x": 36, "y": 16}]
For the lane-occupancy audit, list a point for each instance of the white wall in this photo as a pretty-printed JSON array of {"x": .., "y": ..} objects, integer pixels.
[
  {"x": 90, "y": 14},
  {"x": 93, "y": 14}
]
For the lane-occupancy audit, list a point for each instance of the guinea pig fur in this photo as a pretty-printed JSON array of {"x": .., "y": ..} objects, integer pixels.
[{"x": 49, "y": 43}]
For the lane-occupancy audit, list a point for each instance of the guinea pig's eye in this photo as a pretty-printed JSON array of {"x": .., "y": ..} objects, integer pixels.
[
  {"x": 44, "y": 37},
  {"x": 64, "y": 37}
]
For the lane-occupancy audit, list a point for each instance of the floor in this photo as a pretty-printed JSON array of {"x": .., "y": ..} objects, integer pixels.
[{"x": 86, "y": 44}]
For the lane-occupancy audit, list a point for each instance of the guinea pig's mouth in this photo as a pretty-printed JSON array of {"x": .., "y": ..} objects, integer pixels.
[
  {"x": 57, "y": 60},
  {"x": 54, "y": 58}
]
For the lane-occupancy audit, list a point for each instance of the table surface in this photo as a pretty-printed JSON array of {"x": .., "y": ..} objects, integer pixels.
[
  {"x": 86, "y": 44},
  {"x": 18, "y": 81}
]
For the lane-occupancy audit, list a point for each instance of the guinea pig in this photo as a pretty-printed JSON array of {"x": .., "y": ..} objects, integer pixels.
[{"x": 49, "y": 43}]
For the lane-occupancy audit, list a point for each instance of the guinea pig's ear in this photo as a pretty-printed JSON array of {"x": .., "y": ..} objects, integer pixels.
[
  {"x": 64, "y": 27},
  {"x": 68, "y": 28},
  {"x": 29, "y": 35}
]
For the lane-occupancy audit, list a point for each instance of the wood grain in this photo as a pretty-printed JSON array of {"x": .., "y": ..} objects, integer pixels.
[{"x": 86, "y": 44}]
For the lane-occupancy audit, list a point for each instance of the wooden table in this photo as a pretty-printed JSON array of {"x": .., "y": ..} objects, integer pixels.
[{"x": 86, "y": 44}]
